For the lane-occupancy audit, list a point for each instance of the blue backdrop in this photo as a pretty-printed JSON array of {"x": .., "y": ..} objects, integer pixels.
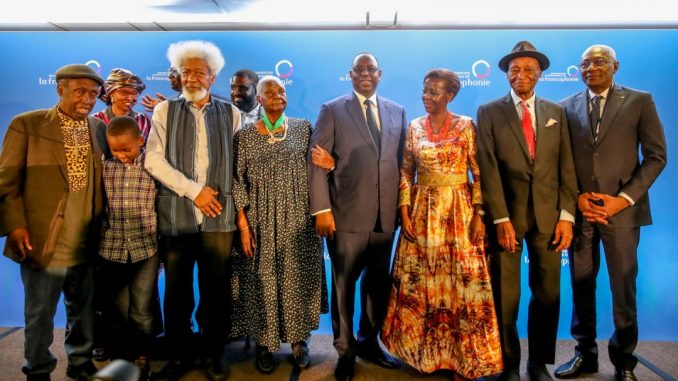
[{"x": 314, "y": 66}]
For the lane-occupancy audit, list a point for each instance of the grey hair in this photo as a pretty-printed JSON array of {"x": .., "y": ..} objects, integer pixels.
[
  {"x": 182, "y": 50},
  {"x": 266, "y": 79}
]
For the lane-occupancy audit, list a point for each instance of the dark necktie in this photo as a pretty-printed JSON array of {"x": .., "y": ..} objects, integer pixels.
[
  {"x": 595, "y": 115},
  {"x": 372, "y": 124},
  {"x": 528, "y": 131}
]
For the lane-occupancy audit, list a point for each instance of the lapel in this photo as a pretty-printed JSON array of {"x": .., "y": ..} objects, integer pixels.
[
  {"x": 386, "y": 121},
  {"x": 581, "y": 109},
  {"x": 513, "y": 120},
  {"x": 52, "y": 132},
  {"x": 615, "y": 100},
  {"x": 541, "y": 109},
  {"x": 97, "y": 150},
  {"x": 355, "y": 110}
]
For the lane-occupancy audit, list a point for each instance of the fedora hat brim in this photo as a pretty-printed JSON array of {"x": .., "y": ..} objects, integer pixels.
[{"x": 544, "y": 62}]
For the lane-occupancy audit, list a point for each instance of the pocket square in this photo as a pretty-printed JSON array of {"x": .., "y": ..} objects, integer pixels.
[{"x": 551, "y": 122}]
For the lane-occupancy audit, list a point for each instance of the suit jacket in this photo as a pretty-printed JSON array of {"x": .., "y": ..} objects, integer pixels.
[
  {"x": 611, "y": 164},
  {"x": 510, "y": 179},
  {"x": 364, "y": 183},
  {"x": 34, "y": 182}
]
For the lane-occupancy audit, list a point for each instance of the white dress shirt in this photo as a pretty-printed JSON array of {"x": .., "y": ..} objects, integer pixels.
[
  {"x": 564, "y": 214},
  {"x": 603, "y": 101},
  {"x": 158, "y": 166}
]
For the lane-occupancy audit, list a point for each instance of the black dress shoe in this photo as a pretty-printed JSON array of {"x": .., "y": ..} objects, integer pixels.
[
  {"x": 538, "y": 371},
  {"x": 214, "y": 369},
  {"x": 577, "y": 366},
  {"x": 375, "y": 355},
  {"x": 300, "y": 354},
  {"x": 264, "y": 360},
  {"x": 509, "y": 375},
  {"x": 621, "y": 374},
  {"x": 81, "y": 372},
  {"x": 345, "y": 368},
  {"x": 172, "y": 371},
  {"x": 38, "y": 377}
]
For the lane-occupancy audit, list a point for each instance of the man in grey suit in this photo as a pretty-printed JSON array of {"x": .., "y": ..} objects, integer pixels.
[
  {"x": 608, "y": 122},
  {"x": 529, "y": 189},
  {"x": 355, "y": 207}
]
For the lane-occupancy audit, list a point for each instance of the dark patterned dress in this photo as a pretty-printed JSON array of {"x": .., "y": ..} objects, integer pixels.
[
  {"x": 441, "y": 312},
  {"x": 281, "y": 291}
]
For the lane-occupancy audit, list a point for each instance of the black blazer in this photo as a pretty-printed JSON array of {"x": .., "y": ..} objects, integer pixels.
[
  {"x": 509, "y": 176},
  {"x": 611, "y": 164}
]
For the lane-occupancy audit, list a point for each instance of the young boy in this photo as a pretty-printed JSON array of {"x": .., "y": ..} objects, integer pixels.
[{"x": 129, "y": 243}]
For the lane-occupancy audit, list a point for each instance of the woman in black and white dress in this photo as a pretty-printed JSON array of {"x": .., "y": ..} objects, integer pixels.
[{"x": 280, "y": 288}]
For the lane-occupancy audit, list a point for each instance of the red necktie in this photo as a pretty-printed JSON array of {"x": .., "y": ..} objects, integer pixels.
[{"x": 528, "y": 131}]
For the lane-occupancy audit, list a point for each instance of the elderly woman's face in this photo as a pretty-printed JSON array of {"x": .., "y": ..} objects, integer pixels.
[
  {"x": 435, "y": 95},
  {"x": 124, "y": 98},
  {"x": 273, "y": 97}
]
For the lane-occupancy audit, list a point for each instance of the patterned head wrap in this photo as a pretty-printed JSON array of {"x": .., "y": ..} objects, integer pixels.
[{"x": 117, "y": 79}]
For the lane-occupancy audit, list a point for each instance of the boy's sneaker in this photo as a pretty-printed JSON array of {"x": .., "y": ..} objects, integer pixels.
[
  {"x": 144, "y": 365},
  {"x": 99, "y": 355}
]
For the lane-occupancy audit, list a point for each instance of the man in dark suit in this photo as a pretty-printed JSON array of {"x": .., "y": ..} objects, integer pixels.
[
  {"x": 608, "y": 123},
  {"x": 529, "y": 189},
  {"x": 355, "y": 207}
]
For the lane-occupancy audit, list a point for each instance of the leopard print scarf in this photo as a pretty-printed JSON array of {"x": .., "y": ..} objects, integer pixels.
[{"x": 76, "y": 146}]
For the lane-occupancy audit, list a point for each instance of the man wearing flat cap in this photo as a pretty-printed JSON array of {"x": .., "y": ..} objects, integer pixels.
[
  {"x": 530, "y": 190},
  {"x": 50, "y": 208}
]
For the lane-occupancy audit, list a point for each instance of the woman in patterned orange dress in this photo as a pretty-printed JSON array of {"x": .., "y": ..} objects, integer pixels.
[{"x": 441, "y": 312}]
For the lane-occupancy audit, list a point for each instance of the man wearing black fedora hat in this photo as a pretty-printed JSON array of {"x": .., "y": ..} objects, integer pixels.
[
  {"x": 50, "y": 209},
  {"x": 530, "y": 190}
]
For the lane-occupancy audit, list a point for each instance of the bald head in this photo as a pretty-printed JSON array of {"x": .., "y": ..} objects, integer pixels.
[{"x": 603, "y": 50}]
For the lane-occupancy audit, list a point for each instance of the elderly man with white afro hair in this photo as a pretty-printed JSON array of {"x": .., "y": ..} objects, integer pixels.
[
  {"x": 190, "y": 153},
  {"x": 180, "y": 51}
]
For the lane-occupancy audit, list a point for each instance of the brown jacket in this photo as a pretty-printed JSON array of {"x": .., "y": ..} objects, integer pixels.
[{"x": 33, "y": 182}]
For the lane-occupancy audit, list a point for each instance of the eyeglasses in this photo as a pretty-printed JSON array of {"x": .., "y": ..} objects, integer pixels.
[
  {"x": 128, "y": 93},
  {"x": 598, "y": 62},
  {"x": 362, "y": 69},
  {"x": 274, "y": 93}
]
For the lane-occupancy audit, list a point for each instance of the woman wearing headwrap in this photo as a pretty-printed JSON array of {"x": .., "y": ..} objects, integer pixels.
[{"x": 120, "y": 92}]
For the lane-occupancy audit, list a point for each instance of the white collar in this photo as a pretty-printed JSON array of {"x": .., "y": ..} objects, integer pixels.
[
  {"x": 361, "y": 98},
  {"x": 517, "y": 99},
  {"x": 603, "y": 94}
]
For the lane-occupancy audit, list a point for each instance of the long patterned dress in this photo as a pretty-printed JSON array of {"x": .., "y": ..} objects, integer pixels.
[
  {"x": 281, "y": 291},
  {"x": 441, "y": 312}
]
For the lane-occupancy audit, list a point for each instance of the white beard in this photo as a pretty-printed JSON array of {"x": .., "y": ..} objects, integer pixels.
[{"x": 195, "y": 96}]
